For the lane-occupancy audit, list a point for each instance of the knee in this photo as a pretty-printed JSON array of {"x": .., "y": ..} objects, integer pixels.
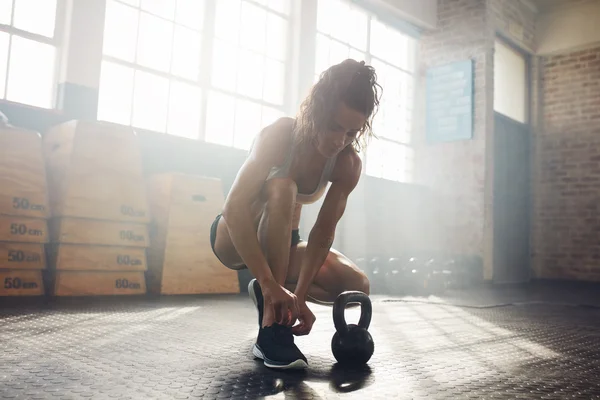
[
  {"x": 364, "y": 284},
  {"x": 360, "y": 282},
  {"x": 281, "y": 192}
]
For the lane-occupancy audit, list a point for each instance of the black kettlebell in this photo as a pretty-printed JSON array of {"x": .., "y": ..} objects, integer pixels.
[{"x": 352, "y": 344}]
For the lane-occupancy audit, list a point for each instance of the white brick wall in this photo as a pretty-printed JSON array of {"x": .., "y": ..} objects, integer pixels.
[
  {"x": 456, "y": 170},
  {"x": 461, "y": 172},
  {"x": 516, "y": 21}
]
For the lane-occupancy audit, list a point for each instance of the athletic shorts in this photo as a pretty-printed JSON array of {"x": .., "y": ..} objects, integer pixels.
[{"x": 213, "y": 235}]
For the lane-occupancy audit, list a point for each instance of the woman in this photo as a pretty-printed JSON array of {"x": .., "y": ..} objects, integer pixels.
[{"x": 290, "y": 164}]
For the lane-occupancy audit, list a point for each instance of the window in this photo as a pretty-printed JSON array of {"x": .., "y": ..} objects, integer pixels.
[
  {"x": 152, "y": 66},
  {"x": 218, "y": 70},
  {"x": 28, "y": 51},
  {"x": 510, "y": 82},
  {"x": 250, "y": 52},
  {"x": 342, "y": 32},
  {"x": 347, "y": 31},
  {"x": 166, "y": 69}
]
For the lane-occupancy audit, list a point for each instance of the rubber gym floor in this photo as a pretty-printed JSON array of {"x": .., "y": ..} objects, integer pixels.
[{"x": 533, "y": 342}]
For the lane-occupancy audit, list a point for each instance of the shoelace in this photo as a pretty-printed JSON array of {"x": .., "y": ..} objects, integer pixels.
[{"x": 282, "y": 335}]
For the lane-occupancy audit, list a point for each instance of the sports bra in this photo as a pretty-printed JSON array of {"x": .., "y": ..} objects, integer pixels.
[{"x": 304, "y": 198}]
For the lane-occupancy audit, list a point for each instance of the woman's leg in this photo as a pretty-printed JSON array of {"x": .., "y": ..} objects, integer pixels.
[
  {"x": 274, "y": 229},
  {"x": 338, "y": 274}
]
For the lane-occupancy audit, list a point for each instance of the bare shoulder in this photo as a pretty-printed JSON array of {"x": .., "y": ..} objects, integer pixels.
[
  {"x": 277, "y": 133},
  {"x": 348, "y": 168},
  {"x": 272, "y": 139},
  {"x": 266, "y": 152}
]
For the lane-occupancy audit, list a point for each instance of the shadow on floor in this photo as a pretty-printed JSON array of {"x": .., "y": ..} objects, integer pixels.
[{"x": 298, "y": 384}]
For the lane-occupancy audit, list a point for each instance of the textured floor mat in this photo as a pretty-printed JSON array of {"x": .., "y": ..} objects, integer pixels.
[{"x": 191, "y": 348}]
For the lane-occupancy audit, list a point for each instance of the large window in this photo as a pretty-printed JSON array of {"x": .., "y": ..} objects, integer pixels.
[
  {"x": 152, "y": 66},
  {"x": 250, "y": 50},
  {"x": 219, "y": 70},
  {"x": 28, "y": 51},
  {"x": 195, "y": 68},
  {"x": 347, "y": 31}
]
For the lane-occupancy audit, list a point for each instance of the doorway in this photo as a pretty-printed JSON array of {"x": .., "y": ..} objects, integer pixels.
[
  {"x": 512, "y": 168},
  {"x": 512, "y": 187}
]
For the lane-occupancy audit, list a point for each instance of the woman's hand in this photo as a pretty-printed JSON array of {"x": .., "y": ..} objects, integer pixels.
[
  {"x": 306, "y": 318},
  {"x": 280, "y": 305}
]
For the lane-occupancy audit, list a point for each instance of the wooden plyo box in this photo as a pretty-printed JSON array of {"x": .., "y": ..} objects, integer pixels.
[
  {"x": 90, "y": 257},
  {"x": 96, "y": 232},
  {"x": 17, "y": 256},
  {"x": 23, "y": 188},
  {"x": 21, "y": 266},
  {"x": 98, "y": 283},
  {"x": 180, "y": 258},
  {"x": 76, "y": 257},
  {"x": 23, "y": 229},
  {"x": 95, "y": 171},
  {"x": 24, "y": 209},
  {"x": 21, "y": 282}
]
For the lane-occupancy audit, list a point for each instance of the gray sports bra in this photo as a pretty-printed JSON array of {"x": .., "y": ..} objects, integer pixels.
[{"x": 304, "y": 198}]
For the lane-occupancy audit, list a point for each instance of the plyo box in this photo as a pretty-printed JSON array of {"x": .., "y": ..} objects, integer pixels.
[{"x": 180, "y": 258}]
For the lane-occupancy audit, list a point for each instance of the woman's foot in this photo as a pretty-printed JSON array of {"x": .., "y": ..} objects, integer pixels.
[
  {"x": 275, "y": 346},
  {"x": 275, "y": 343}
]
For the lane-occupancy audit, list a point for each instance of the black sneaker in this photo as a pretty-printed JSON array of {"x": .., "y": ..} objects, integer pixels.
[
  {"x": 256, "y": 295},
  {"x": 275, "y": 346}
]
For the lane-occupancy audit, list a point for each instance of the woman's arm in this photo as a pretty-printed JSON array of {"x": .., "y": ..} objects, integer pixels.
[
  {"x": 246, "y": 188},
  {"x": 323, "y": 233}
]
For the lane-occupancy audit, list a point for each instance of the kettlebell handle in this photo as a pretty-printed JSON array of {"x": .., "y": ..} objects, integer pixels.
[{"x": 339, "y": 307}]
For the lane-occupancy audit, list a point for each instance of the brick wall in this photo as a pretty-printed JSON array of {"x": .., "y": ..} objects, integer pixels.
[
  {"x": 516, "y": 21},
  {"x": 456, "y": 170},
  {"x": 572, "y": 92},
  {"x": 566, "y": 179}
]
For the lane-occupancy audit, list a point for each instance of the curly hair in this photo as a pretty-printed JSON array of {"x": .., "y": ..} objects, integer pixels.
[{"x": 351, "y": 82}]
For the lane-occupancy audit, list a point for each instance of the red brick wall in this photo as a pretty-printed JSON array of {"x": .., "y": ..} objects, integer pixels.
[{"x": 566, "y": 181}]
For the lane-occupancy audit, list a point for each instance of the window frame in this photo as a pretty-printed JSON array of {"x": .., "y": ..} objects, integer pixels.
[
  {"x": 369, "y": 57},
  {"x": 57, "y": 41},
  {"x": 299, "y": 71},
  {"x": 136, "y": 66},
  {"x": 405, "y": 144},
  {"x": 204, "y": 83}
]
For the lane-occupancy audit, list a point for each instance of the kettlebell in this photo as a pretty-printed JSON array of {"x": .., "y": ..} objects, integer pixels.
[{"x": 352, "y": 345}]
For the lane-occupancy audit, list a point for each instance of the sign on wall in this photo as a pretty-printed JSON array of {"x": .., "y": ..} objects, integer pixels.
[{"x": 449, "y": 102}]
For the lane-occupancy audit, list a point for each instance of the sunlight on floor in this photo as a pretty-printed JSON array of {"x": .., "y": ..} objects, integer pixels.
[
  {"x": 175, "y": 313},
  {"x": 450, "y": 345}
]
